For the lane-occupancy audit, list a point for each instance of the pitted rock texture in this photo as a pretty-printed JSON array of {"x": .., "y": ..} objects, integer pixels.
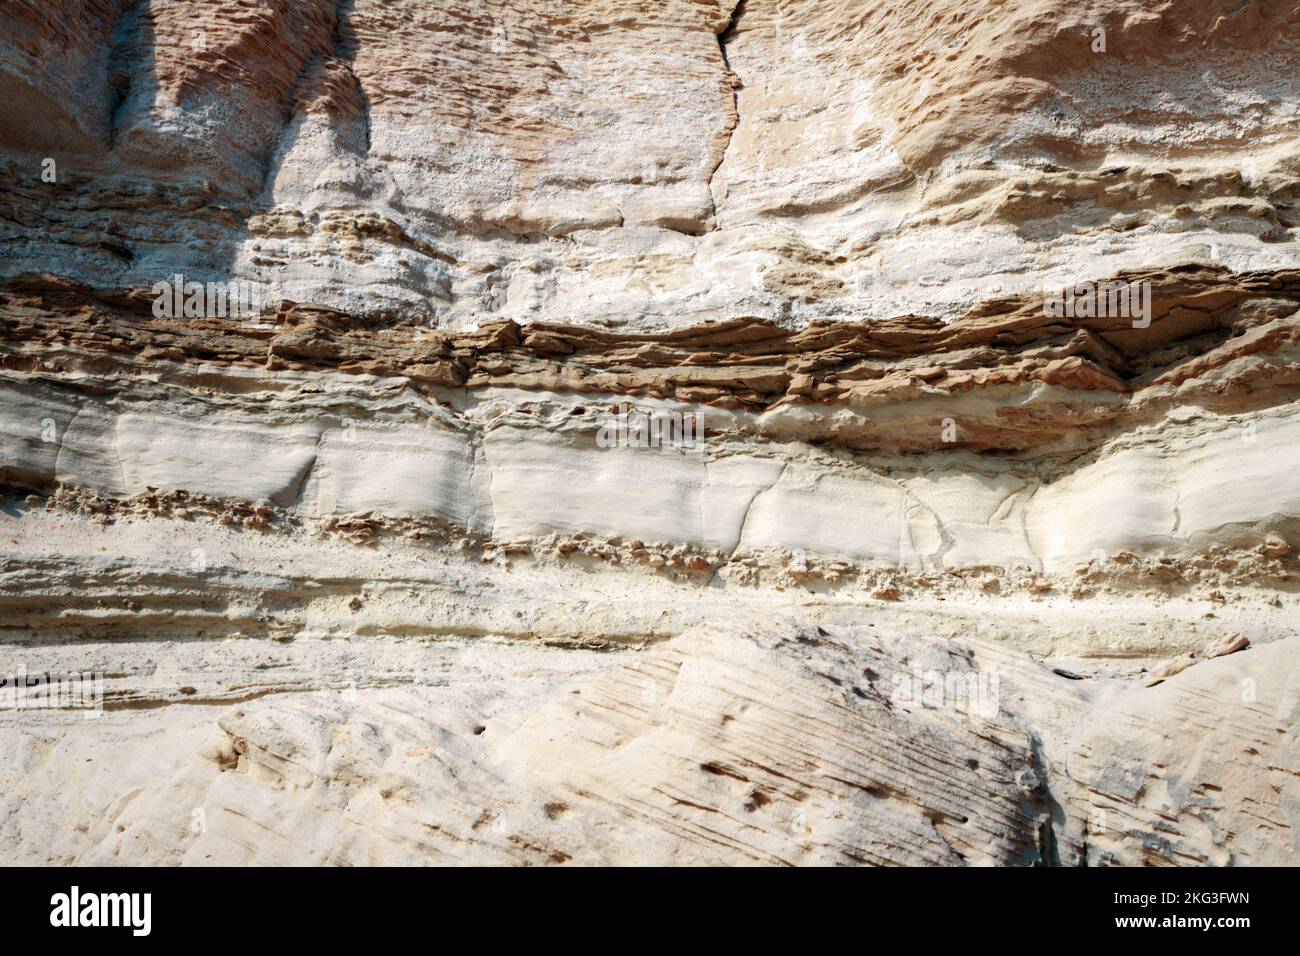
[{"x": 950, "y": 577}]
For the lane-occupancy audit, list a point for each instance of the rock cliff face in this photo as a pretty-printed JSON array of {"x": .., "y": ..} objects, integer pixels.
[{"x": 658, "y": 431}]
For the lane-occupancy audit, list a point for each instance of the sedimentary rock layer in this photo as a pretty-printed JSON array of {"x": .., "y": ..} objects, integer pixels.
[
  {"x": 869, "y": 444},
  {"x": 648, "y": 163},
  {"x": 378, "y": 572}
]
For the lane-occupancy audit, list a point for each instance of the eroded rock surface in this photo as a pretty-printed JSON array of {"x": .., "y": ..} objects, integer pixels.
[{"x": 371, "y": 574}]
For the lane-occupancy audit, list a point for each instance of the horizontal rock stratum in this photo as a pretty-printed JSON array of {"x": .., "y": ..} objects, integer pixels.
[{"x": 650, "y": 431}]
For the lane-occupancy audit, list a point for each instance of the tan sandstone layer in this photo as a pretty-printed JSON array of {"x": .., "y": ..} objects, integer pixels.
[{"x": 950, "y": 579}]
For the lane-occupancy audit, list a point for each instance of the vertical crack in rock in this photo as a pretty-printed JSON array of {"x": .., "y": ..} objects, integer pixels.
[
  {"x": 947, "y": 574},
  {"x": 346, "y": 45},
  {"x": 731, "y": 79},
  {"x": 123, "y": 54},
  {"x": 1051, "y": 817},
  {"x": 325, "y": 81}
]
